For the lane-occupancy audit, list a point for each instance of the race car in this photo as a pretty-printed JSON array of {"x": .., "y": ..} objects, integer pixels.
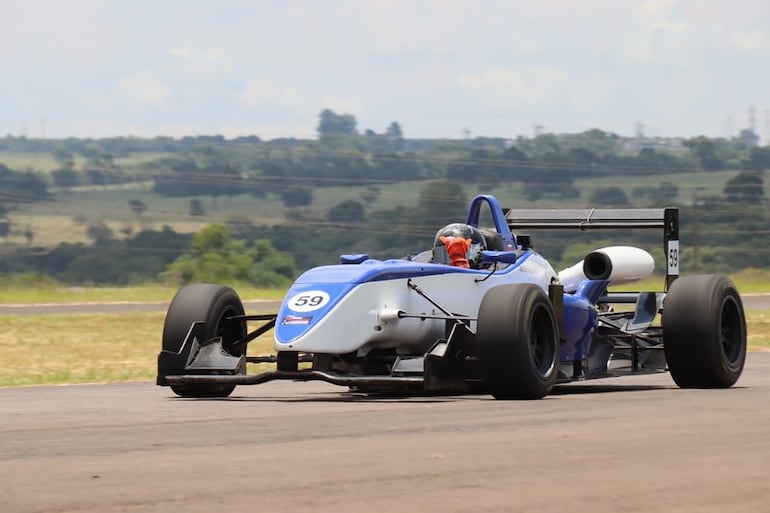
[{"x": 479, "y": 312}]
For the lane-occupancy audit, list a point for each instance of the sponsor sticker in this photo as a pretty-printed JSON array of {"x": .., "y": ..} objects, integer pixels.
[{"x": 296, "y": 319}]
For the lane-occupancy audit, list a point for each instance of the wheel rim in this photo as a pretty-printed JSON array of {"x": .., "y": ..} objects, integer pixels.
[
  {"x": 541, "y": 343},
  {"x": 231, "y": 331},
  {"x": 731, "y": 331}
]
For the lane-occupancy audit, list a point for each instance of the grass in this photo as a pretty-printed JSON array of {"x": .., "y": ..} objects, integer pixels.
[
  {"x": 689, "y": 184},
  {"x": 67, "y": 215},
  {"x": 758, "y": 329},
  {"x": 45, "y": 162},
  {"x": 26, "y": 289},
  {"x": 26, "y": 293},
  {"x": 91, "y": 348},
  {"x": 747, "y": 281},
  {"x": 84, "y": 348}
]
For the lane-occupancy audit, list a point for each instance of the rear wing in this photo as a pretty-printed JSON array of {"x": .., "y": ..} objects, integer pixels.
[{"x": 664, "y": 219}]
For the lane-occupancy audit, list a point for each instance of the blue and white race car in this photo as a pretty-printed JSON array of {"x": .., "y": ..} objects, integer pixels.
[{"x": 480, "y": 312}]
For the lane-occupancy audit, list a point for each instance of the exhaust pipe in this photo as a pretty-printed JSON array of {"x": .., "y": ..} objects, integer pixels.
[{"x": 618, "y": 264}]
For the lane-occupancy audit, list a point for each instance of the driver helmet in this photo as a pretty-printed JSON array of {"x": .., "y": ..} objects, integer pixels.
[{"x": 459, "y": 245}]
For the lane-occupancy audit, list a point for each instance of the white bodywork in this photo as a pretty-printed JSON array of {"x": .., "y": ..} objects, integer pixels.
[
  {"x": 618, "y": 264},
  {"x": 368, "y": 315}
]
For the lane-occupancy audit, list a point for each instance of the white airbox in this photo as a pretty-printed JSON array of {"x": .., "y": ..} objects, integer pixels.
[{"x": 619, "y": 264}]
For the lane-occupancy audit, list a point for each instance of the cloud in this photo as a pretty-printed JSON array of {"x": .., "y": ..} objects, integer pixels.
[
  {"x": 506, "y": 88},
  {"x": 756, "y": 41},
  {"x": 433, "y": 65},
  {"x": 213, "y": 60},
  {"x": 76, "y": 31},
  {"x": 143, "y": 87},
  {"x": 266, "y": 92}
]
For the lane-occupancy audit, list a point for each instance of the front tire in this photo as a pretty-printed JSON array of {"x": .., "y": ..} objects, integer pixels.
[
  {"x": 704, "y": 332},
  {"x": 212, "y": 304},
  {"x": 517, "y": 340}
]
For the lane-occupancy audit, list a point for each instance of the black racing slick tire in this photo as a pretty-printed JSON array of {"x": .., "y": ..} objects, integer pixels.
[
  {"x": 517, "y": 341},
  {"x": 212, "y": 304},
  {"x": 704, "y": 332}
]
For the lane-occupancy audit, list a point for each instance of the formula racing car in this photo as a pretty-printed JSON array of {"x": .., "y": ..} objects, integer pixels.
[{"x": 479, "y": 312}]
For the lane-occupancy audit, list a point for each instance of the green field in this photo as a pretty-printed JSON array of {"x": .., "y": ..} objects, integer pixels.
[
  {"x": 101, "y": 347},
  {"x": 91, "y": 348},
  {"x": 66, "y": 216},
  {"x": 86, "y": 348}
]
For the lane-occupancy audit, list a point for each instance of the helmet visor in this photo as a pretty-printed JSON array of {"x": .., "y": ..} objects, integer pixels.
[{"x": 441, "y": 254}]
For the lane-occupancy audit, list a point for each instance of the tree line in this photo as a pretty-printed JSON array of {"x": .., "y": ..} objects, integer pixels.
[{"x": 546, "y": 166}]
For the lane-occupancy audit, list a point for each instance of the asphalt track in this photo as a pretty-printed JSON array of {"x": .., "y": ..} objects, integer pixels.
[{"x": 628, "y": 444}]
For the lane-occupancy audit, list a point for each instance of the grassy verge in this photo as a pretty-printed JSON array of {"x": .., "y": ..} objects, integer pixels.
[
  {"x": 91, "y": 348},
  {"x": 747, "y": 281},
  {"x": 15, "y": 294},
  {"x": 28, "y": 289},
  {"x": 84, "y": 348}
]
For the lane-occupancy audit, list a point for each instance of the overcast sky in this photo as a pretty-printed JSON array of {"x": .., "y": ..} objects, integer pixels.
[{"x": 99, "y": 68}]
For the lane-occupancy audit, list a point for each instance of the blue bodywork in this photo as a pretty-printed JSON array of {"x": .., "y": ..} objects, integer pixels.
[
  {"x": 415, "y": 324},
  {"x": 337, "y": 281},
  {"x": 580, "y": 320}
]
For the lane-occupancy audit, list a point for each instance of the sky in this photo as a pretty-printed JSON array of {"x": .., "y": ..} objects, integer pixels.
[{"x": 440, "y": 68}]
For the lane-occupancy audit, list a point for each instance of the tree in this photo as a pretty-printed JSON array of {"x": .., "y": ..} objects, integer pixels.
[
  {"x": 705, "y": 150},
  {"x": 612, "y": 196},
  {"x": 216, "y": 257},
  {"x": 29, "y": 234},
  {"x": 66, "y": 177},
  {"x": 748, "y": 138},
  {"x": 395, "y": 136},
  {"x": 137, "y": 207},
  {"x": 758, "y": 159},
  {"x": 441, "y": 202},
  {"x": 196, "y": 208},
  {"x": 297, "y": 196},
  {"x": 745, "y": 187},
  {"x": 64, "y": 157},
  {"x": 99, "y": 231},
  {"x": 205, "y": 172},
  {"x": 5, "y": 227},
  {"x": 350, "y": 211},
  {"x": 550, "y": 176},
  {"x": 394, "y": 131},
  {"x": 336, "y": 124}
]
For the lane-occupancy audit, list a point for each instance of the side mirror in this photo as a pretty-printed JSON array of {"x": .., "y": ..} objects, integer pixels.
[{"x": 494, "y": 257}]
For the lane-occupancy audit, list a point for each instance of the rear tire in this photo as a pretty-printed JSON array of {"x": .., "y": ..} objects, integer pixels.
[
  {"x": 517, "y": 341},
  {"x": 211, "y": 304},
  {"x": 704, "y": 332}
]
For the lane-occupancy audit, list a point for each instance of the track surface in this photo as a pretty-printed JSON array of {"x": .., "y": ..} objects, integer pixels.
[{"x": 629, "y": 444}]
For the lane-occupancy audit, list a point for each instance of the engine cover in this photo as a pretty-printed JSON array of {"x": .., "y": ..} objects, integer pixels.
[{"x": 618, "y": 264}]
